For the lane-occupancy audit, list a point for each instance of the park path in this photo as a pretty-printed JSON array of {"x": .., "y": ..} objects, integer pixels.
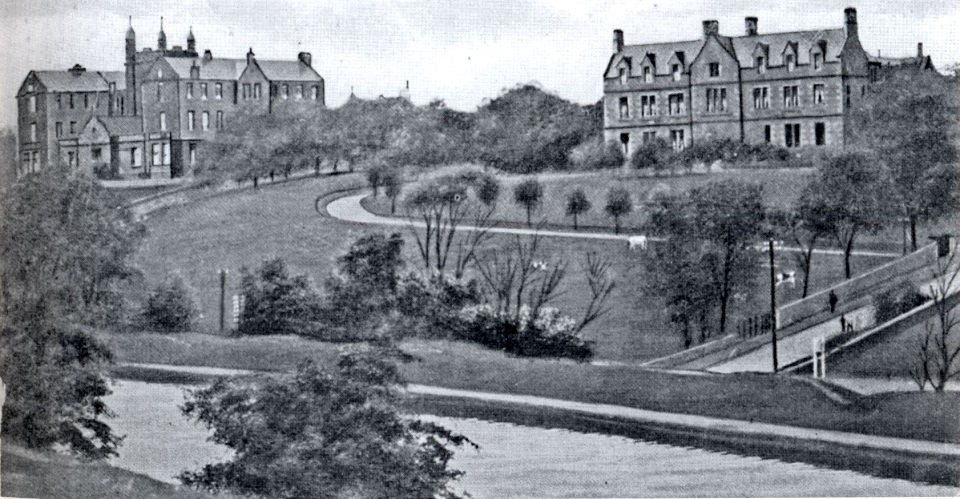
[
  {"x": 349, "y": 209},
  {"x": 641, "y": 416}
]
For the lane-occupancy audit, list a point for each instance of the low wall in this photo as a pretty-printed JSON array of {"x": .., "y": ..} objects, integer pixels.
[{"x": 857, "y": 287}]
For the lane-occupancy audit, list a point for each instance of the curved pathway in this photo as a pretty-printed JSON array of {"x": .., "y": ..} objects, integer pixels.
[{"x": 349, "y": 209}]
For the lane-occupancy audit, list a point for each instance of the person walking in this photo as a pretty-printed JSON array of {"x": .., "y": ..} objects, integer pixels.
[{"x": 833, "y": 301}]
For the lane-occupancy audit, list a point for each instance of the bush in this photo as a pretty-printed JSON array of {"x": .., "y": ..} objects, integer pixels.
[
  {"x": 549, "y": 334},
  {"x": 430, "y": 307},
  {"x": 595, "y": 154},
  {"x": 655, "y": 154},
  {"x": 170, "y": 308},
  {"x": 898, "y": 300},
  {"x": 275, "y": 302},
  {"x": 104, "y": 171}
]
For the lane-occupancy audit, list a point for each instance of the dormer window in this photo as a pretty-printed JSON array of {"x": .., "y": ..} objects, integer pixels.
[
  {"x": 647, "y": 74},
  {"x": 675, "y": 71},
  {"x": 790, "y": 62},
  {"x": 761, "y": 64},
  {"x": 714, "y": 69},
  {"x": 817, "y": 61},
  {"x": 623, "y": 76}
]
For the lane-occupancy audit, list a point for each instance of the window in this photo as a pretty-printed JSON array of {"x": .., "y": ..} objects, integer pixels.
[
  {"x": 818, "y": 93},
  {"x": 716, "y": 100},
  {"x": 189, "y": 90},
  {"x": 193, "y": 153},
  {"x": 86, "y": 101},
  {"x": 766, "y": 134},
  {"x": 820, "y": 133},
  {"x": 791, "y": 62},
  {"x": 32, "y": 103},
  {"x": 647, "y": 74},
  {"x": 817, "y": 61},
  {"x": 791, "y": 97},
  {"x": 314, "y": 92},
  {"x": 30, "y": 87},
  {"x": 676, "y": 139},
  {"x": 191, "y": 120},
  {"x": 246, "y": 91},
  {"x": 205, "y": 121},
  {"x": 791, "y": 134},
  {"x": 676, "y": 104},
  {"x": 71, "y": 101},
  {"x": 160, "y": 91},
  {"x": 163, "y": 121},
  {"x": 863, "y": 90},
  {"x": 218, "y": 90},
  {"x": 761, "y": 98},
  {"x": 648, "y": 137},
  {"x": 113, "y": 87},
  {"x": 675, "y": 70},
  {"x": 73, "y": 127},
  {"x": 648, "y": 105},
  {"x": 848, "y": 96},
  {"x": 286, "y": 91},
  {"x": 203, "y": 91},
  {"x": 135, "y": 159},
  {"x": 623, "y": 76},
  {"x": 59, "y": 101},
  {"x": 35, "y": 160},
  {"x": 256, "y": 91},
  {"x": 71, "y": 158},
  {"x": 166, "y": 153},
  {"x": 96, "y": 153},
  {"x": 299, "y": 91},
  {"x": 156, "y": 153},
  {"x": 59, "y": 129},
  {"x": 219, "y": 120},
  {"x": 714, "y": 70},
  {"x": 624, "y": 108},
  {"x": 119, "y": 104},
  {"x": 26, "y": 163},
  {"x": 625, "y": 143},
  {"x": 33, "y": 132},
  {"x": 761, "y": 64}
]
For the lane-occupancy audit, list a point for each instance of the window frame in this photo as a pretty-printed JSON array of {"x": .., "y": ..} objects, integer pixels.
[{"x": 713, "y": 70}]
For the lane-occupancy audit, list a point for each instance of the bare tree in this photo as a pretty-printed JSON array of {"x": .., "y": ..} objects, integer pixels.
[{"x": 939, "y": 345}]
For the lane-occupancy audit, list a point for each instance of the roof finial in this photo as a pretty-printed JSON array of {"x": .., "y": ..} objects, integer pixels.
[
  {"x": 161, "y": 23},
  {"x": 130, "y": 18}
]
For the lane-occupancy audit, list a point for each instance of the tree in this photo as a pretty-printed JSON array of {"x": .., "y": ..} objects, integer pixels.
[
  {"x": 596, "y": 154},
  {"x": 170, "y": 308},
  {"x": 938, "y": 347},
  {"x": 619, "y": 204},
  {"x": 392, "y": 186},
  {"x": 577, "y": 204},
  {"x": 375, "y": 178},
  {"x": 275, "y": 302},
  {"x": 909, "y": 121},
  {"x": 654, "y": 154},
  {"x": 805, "y": 224},
  {"x": 849, "y": 194},
  {"x": 316, "y": 433},
  {"x": 529, "y": 195}
]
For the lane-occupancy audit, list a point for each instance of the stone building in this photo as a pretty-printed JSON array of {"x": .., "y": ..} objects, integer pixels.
[
  {"x": 790, "y": 89},
  {"x": 147, "y": 121}
]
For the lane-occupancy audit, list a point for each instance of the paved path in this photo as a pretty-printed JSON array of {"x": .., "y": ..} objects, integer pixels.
[
  {"x": 666, "y": 418},
  {"x": 348, "y": 208}
]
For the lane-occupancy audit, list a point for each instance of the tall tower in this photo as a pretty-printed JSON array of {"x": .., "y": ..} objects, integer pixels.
[
  {"x": 191, "y": 41},
  {"x": 130, "y": 67},
  {"x": 161, "y": 38}
]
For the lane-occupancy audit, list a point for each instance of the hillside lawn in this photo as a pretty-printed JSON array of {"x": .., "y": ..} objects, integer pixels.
[{"x": 247, "y": 227}]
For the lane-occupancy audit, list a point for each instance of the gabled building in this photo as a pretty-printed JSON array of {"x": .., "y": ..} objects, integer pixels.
[
  {"x": 147, "y": 121},
  {"x": 790, "y": 89}
]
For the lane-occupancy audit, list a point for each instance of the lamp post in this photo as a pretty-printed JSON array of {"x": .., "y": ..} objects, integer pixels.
[{"x": 773, "y": 309}]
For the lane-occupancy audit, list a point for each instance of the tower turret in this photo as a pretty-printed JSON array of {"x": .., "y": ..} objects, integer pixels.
[
  {"x": 161, "y": 38},
  {"x": 131, "y": 41},
  {"x": 191, "y": 41}
]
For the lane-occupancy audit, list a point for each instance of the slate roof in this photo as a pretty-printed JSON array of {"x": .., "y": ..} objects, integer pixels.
[
  {"x": 288, "y": 71},
  {"x": 66, "y": 81},
  {"x": 122, "y": 125},
  {"x": 119, "y": 78},
  {"x": 214, "y": 69},
  {"x": 741, "y": 46},
  {"x": 923, "y": 62}
]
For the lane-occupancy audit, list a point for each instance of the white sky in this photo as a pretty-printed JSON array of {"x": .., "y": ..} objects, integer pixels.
[{"x": 461, "y": 51}]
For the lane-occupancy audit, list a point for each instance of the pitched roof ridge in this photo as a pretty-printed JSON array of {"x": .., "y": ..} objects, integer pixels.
[{"x": 794, "y": 32}]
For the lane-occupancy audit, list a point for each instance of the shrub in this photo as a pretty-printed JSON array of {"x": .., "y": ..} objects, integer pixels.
[
  {"x": 104, "y": 171},
  {"x": 549, "y": 334},
  {"x": 430, "y": 306},
  {"x": 595, "y": 154},
  {"x": 275, "y": 302},
  {"x": 895, "y": 301},
  {"x": 655, "y": 154},
  {"x": 170, "y": 308}
]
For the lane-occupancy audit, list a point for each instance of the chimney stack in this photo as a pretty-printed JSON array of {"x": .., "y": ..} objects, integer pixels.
[
  {"x": 250, "y": 56},
  {"x": 711, "y": 27},
  {"x": 207, "y": 55},
  {"x": 850, "y": 15},
  {"x": 920, "y": 50},
  {"x": 617, "y": 41},
  {"x": 305, "y": 58},
  {"x": 751, "y": 25}
]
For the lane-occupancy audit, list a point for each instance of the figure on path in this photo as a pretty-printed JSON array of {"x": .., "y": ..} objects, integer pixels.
[
  {"x": 843, "y": 323},
  {"x": 833, "y": 301}
]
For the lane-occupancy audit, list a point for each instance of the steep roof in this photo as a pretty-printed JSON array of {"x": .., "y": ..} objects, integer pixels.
[
  {"x": 72, "y": 81},
  {"x": 122, "y": 125},
  {"x": 214, "y": 69},
  {"x": 119, "y": 78},
  {"x": 922, "y": 62},
  {"x": 742, "y": 47},
  {"x": 288, "y": 71}
]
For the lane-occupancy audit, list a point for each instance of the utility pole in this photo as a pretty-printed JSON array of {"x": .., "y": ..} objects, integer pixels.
[
  {"x": 773, "y": 309},
  {"x": 223, "y": 297}
]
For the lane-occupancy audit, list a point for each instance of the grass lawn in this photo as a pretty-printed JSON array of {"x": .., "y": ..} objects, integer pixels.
[
  {"x": 773, "y": 399},
  {"x": 33, "y": 474},
  {"x": 244, "y": 228}
]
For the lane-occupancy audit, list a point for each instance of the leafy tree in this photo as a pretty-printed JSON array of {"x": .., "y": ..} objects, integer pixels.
[
  {"x": 317, "y": 433},
  {"x": 654, "y": 154},
  {"x": 619, "y": 204},
  {"x": 275, "y": 302},
  {"x": 8, "y": 156},
  {"x": 577, "y": 204},
  {"x": 392, "y": 186},
  {"x": 170, "y": 308},
  {"x": 597, "y": 154},
  {"x": 529, "y": 195},
  {"x": 848, "y": 194},
  {"x": 375, "y": 178},
  {"x": 488, "y": 190},
  {"x": 909, "y": 121}
]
